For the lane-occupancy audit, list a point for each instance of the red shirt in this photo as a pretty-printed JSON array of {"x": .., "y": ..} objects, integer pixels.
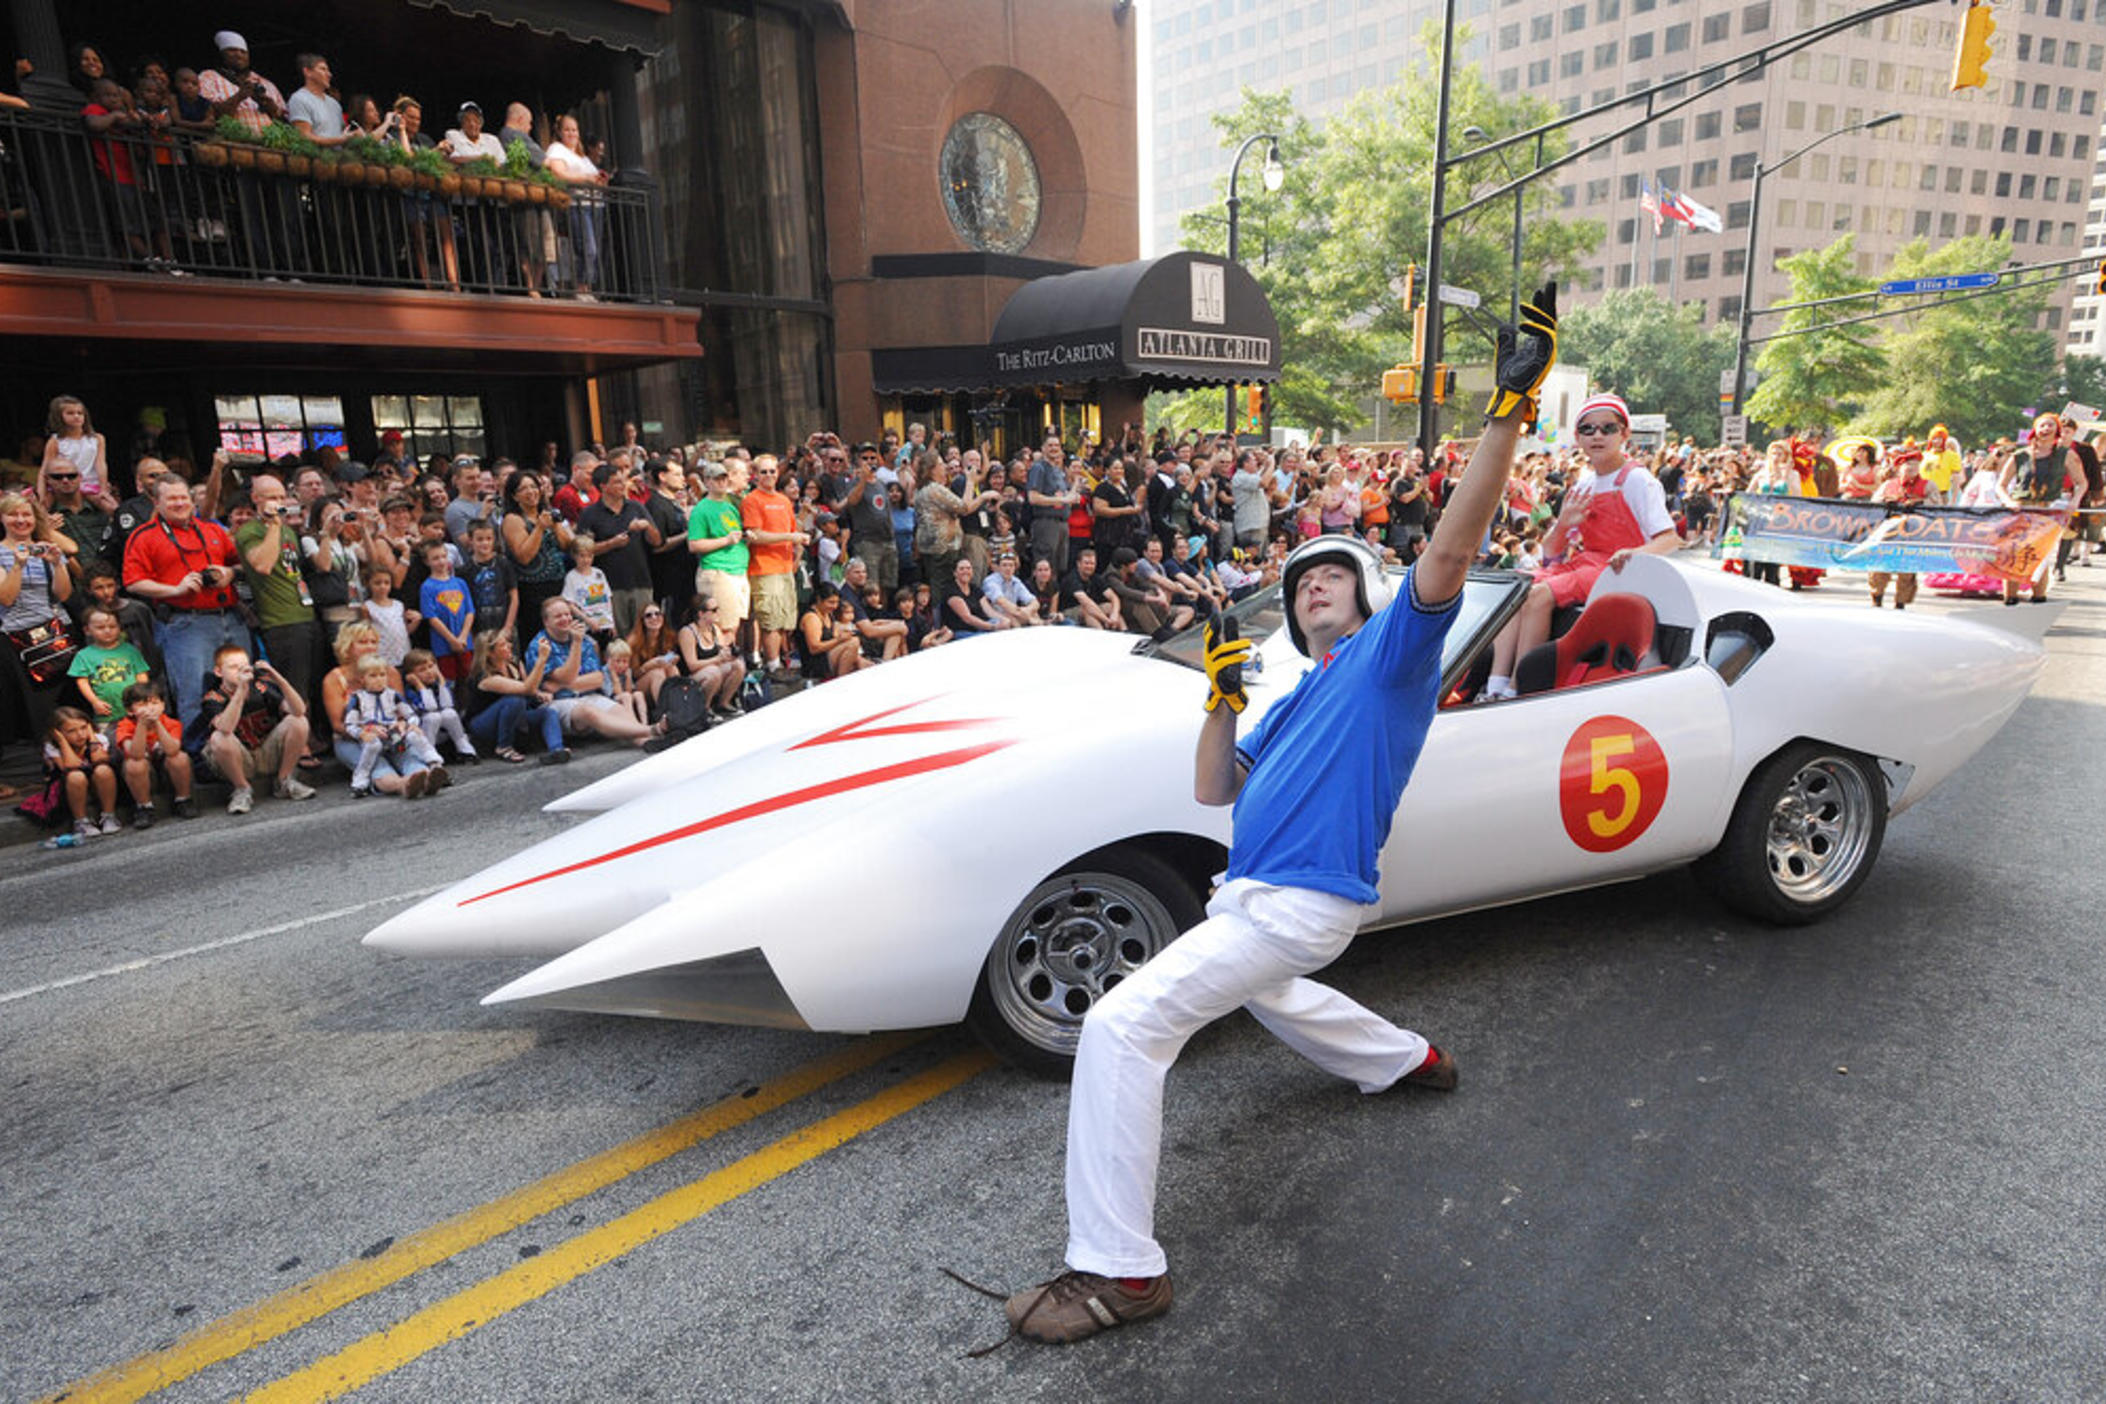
[
  {"x": 112, "y": 158},
  {"x": 165, "y": 554}
]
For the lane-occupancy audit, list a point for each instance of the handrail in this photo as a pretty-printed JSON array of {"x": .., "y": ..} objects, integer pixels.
[{"x": 171, "y": 205}]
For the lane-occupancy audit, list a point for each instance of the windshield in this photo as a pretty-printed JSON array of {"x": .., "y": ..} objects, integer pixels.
[{"x": 1264, "y": 614}]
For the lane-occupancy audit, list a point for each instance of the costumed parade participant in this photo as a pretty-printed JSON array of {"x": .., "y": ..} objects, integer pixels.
[
  {"x": 2044, "y": 468},
  {"x": 1809, "y": 464},
  {"x": 1984, "y": 492},
  {"x": 1315, "y": 786},
  {"x": 1941, "y": 460},
  {"x": 1615, "y": 510},
  {"x": 1860, "y": 479},
  {"x": 1906, "y": 488}
]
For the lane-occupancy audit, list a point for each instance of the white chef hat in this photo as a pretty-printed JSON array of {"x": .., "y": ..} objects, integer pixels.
[{"x": 227, "y": 39}]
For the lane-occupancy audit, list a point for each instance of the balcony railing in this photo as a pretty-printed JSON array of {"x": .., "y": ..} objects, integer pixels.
[{"x": 172, "y": 206}]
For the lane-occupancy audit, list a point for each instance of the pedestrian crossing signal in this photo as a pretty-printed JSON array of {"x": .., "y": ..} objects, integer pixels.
[
  {"x": 1969, "y": 61},
  {"x": 2098, "y": 284},
  {"x": 1401, "y": 385},
  {"x": 1443, "y": 383},
  {"x": 1253, "y": 411}
]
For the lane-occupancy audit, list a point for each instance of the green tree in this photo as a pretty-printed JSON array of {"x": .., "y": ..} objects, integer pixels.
[
  {"x": 1973, "y": 365},
  {"x": 1660, "y": 358},
  {"x": 1352, "y": 215},
  {"x": 2084, "y": 380},
  {"x": 1818, "y": 378}
]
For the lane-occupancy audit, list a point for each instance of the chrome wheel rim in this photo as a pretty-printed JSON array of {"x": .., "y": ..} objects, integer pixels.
[
  {"x": 1820, "y": 829},
  {"x": 1068, "y": 945}
]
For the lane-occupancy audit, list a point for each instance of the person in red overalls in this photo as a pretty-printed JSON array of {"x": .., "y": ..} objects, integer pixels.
[
  {"x": 1807, "y": 462},
  {"x": 1616, "y": 510},
  {"x": 1908, "y": 487}
]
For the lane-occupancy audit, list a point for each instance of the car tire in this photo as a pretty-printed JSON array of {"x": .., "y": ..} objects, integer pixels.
[
  {"x": 1803, "y": 837},
  {"x": 1071, "y": 940}
]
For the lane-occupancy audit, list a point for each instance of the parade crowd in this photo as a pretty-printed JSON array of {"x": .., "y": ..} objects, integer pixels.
[{"x": 270, "y": 626}]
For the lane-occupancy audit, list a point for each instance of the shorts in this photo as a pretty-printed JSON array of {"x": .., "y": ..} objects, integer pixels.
[
  {"x": 569, "y": 710},
  {"x": 260, "y": 762},
  {"x": 1571, "y": 582},
  {"x": 453, "y": 666},
  {"x": 733, "y": 594},
  {"x": 775, "y": 601}
]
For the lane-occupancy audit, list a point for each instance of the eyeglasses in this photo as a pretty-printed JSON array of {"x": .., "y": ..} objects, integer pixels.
[
  {"x": 1592, "y": 429},
  {"x": 653, "y": 614},
  {"x": 63, "y": 477},
  {"x": 709, "y": 609}
]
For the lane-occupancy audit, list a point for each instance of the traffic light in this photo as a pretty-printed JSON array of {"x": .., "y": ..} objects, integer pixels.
[
  {"x": 1967, "y": 62},
  {"x": 1411, "y": 285},
  {"x": 1443, "y": 383},
  {"x": 1253, "y": 411},
  {"x": 1401, "y": 385},
  {"x": 2098, "y": 284}
]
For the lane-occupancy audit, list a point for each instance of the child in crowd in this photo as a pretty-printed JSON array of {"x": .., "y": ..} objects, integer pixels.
[
  {"x": 449, "y": 609},
  {"x": 111, "y": 114},
  {"x": 387, "y": 615},
  {"x": 133, "y": 616},
  {"x": 105, "y": 668},
  {"x": 587, "y": 590},
  {"x": 430, "y": 696},
  {"x": 376, "y": 714},
  {"x": 492, "y": 582},
  {"x": 1002, "y": 540},
  {"x": 76, "y": 765},
  {"x": 148, "y": 740},
  {"x": 828, "y": 549},
  {"x": 622, "y": 684}
]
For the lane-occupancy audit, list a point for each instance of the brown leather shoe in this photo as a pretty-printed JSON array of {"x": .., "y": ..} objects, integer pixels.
[{"x": 1076, "y": 1305}]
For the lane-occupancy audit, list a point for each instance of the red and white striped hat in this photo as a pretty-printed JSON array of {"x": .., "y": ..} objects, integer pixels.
[{"x": 1612, "y": 403}]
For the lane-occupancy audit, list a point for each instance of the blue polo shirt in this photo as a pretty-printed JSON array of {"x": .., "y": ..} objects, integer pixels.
[{"x": 1329, "y": 762}]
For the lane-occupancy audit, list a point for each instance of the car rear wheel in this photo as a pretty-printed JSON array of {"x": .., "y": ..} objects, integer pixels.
[
  {"x": 1070, "y": 942},
  {"x": 1803, "y": 837}
]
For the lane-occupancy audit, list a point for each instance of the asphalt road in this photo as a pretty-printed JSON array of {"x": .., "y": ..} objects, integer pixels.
[{"x": 1692, "y": 1158}]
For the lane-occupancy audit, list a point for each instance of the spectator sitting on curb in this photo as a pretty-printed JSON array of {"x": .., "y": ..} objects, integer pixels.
[
  {"x": 569, "y": 663},
  {"x": 430, "y": 696},
  {"x": 146, "y": 740},
  {"x": 251, "y": 724},
  {"x": 1007, "y": 597},
  {"x": 507, "y": 698},
  {"x": 105, "y": 669},
  {"x": 76, "y": 768},
  {"x": 1086, "y": 591},
  {"x": 379, "y": 723}
]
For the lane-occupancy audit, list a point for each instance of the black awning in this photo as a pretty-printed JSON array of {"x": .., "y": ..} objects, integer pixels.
[
  {"x": 618, "y": 24},
  {"x": 1184, "y": 318}
]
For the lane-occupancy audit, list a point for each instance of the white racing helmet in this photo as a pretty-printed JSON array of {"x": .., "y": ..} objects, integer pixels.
[{"x": 1370, "y": 586}]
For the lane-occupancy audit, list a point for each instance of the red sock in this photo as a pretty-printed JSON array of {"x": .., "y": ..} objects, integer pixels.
[{"x": 1137, "y": 1284}]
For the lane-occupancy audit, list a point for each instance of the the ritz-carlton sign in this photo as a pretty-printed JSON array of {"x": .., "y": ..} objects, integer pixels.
[{"x": 1080, "y": 353}]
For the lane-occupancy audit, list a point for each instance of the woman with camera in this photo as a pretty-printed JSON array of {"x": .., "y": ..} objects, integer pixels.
[
  {"x": 537, "y": 539},
  {"x": 34, "y": 582}
]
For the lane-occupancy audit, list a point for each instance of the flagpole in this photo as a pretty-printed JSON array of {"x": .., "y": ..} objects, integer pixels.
[{"x": 1674, "y": 268}]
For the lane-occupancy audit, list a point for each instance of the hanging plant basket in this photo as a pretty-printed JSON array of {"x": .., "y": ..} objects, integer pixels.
[
  {"x": 210, "y": 153},
  {"x": 402, "y": 177},
  {"x": 450, "y": 185},
  {"x": 536, "y": 192},
  {"x": 515, "y": 191},
  {"x": 241, "y": 157},
  {"x": 379, "y": 177},
  {"x": 560, "y": 199},
  {"x": 323, "y": 171},
  {"x": 270, "y": 162},
  {"x": 297, "y": 166}
]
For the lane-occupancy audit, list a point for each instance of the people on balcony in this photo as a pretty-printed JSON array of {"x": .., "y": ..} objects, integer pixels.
[
  {"x": 536, "y": 228},
  {"x": 405, "y": 129},
  {"x": 313, "y": 109},
  {"x": 235, "y": 90},
  {"x": 568, "y": 161}
]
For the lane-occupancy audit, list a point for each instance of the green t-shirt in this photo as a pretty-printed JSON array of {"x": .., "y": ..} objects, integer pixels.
[
  {"x": 109, "y": 672},
  {"x": 281, "y": 596},
  {"x": 711, "y": 517}
]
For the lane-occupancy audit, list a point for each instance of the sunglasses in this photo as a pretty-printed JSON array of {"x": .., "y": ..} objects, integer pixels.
[
  {"x": 709, "y": 609},
  {"x": 653, "y": 614},
  {"x": 1592, "y": 429},
  {"x": 63, "y": 477}
]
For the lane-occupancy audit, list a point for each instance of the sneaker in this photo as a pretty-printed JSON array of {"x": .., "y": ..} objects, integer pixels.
[
  {"x": 84, "y": 829},
  {"x": 185, "y": 808},
  {"x": 361, "y": 791},
  {"x": 243, "y": 801},
  {"x": 1437, "y": 1072},
  {"x": 108, "y": 823},
  {"x": 469, "y": 758},
  {"x": 439, "y": 779},
  {"x": 1076, "y": 1305},
  {"x": 292, "y": 789},
  {"x": 415, "y": 786},
  {"x": 143, "y": 818},
  {"x": 557, "y": 757}
]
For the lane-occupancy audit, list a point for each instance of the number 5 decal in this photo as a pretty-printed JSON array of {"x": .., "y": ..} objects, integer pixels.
[{"x": 1611, "y": 784}]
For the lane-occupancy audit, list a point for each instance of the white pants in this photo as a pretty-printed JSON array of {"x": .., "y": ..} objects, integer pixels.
[{"x": 1251, "y": 952}]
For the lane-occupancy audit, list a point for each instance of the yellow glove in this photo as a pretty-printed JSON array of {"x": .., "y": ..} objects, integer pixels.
[
  {"x": 1525, "y": 359},
  {"x": 1226, "y": 654}
]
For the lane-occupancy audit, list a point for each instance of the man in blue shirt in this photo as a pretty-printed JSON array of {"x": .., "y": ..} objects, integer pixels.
[{"x": 1315, "y": 786}]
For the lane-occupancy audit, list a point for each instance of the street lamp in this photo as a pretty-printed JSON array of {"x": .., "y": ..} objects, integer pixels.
[
  {"x": 1274, "y": 176},
  {"x": 1747, "y": 281},
  {"x": 1480, "y": 136}
]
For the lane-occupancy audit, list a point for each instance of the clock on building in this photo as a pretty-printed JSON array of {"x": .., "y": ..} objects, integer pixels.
[{"x": 990, "y": 183}]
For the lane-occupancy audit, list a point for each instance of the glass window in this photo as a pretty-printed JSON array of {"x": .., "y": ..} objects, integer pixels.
[
  {"x": 1717, "y": 27},
  {"x": 1748, "y": 117},
  {"x": 1541, "y": 27},
  {"x": 1742, "y": 167},
  {"x": 2028, "y": 186},
  {"x": 1670, "y": 131},
  {"x": 1948, "y": 224},
  {"x": 1707, "y": 125},
  {"x": 277, "y": 425},
  {"x": 1605, "y": 54},
  {"x": 1677, "y": 38},
  {"x": 1608, "y": 10},
  {"x": 1641, "y": 46},
  {"x": 1538, "y": 73},
  {"x": 1733, "y": 262},
  {"x": 1571, "y": 63},
  {"x": 1755, "y": 18},
  {"x": 1737, "y": 215},
  {"x": 1697, "y": 266},
  {"x": 1575, "y": 18},
  {"x": 1703, "y": 173}
]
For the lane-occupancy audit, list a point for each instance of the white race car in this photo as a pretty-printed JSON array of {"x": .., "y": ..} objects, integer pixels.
[{"x": 999, "y": 830}]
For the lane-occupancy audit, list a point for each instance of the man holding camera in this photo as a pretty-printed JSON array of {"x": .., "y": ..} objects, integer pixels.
[
  {"x": 252, "y": 726},
  {"x": 270, "y": 557},
  {"x": 183, "y": 566}
]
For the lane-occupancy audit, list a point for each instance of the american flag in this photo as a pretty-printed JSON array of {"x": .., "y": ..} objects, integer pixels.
[{"x": 1649, "y": 201}]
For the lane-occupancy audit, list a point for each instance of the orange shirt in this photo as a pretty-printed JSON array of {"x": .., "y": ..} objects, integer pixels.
[
  {"x": 767, "y": 510},
  {"x": 127, "y": 728}
]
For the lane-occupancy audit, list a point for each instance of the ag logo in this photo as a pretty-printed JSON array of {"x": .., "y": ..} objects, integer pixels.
[{"x": 1611, "y": 783}]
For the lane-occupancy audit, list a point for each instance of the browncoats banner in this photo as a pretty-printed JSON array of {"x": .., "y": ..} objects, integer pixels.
[{"x": 1833, "y": 534}]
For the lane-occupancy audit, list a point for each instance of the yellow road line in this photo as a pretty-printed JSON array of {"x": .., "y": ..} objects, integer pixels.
[
  {"x": 272, "y": 1317},
  {"x": 364, "y": 1361}
]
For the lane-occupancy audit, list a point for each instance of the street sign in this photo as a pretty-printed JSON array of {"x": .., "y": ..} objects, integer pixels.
[
  {"x": 1459, "y": 297},
  {"x": 1733, "y": 430},
  {"x": 1956, "y": 282}
]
